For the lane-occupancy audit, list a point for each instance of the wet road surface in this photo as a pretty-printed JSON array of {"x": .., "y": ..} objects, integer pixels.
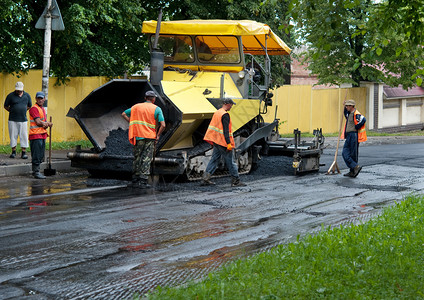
[{"x": 71, "y": 237}]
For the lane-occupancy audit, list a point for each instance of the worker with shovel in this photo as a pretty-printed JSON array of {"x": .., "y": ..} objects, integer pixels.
[
  {"x": 355, "y": 133},
  {"x": 38, "y": 134}
]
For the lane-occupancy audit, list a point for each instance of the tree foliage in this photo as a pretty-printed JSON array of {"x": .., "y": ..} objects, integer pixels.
[
  {"x": 405, "y": 20},
  {"x": 15, "y": 46},
  {"x": 100, "y": 38},
  {"x": 103, "y": 37},
  {"x": 342, "y": 47}
]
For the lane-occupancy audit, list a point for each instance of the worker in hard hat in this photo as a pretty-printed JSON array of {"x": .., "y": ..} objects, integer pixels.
[
  {"x": 220, "y": 135},
  {"x": 354, "y": 132}
]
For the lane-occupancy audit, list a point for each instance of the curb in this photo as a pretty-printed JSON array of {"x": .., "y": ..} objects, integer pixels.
[
  {"x": 26, "y": 169},
  {"x": 331, "y": 143}
]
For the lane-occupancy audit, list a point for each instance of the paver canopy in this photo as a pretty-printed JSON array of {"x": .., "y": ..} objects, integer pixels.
[{"x": 255, "y": 36}]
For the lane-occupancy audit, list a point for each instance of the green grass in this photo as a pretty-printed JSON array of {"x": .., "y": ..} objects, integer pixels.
[
  {"x": 380, "y": 259},
  {"x": 5, "y": 149}
]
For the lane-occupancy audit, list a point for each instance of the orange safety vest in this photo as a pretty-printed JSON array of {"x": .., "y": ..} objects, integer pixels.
[
  {"x": 33, "y": 127},
  {"x": 142, "y": 122},
  {"x": 215, "y": 132},
  {"x": 362, "y": 134}
]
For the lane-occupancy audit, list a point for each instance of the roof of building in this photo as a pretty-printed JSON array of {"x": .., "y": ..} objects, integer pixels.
[{"x": 399, "y": 92}]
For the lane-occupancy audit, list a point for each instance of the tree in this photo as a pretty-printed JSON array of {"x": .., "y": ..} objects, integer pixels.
[
  {"x": 406, "y": 19},
  {"x": 15, "y": 48},
  {"x": 342, "y": 49},
  {"x": 101, "y": 37}
]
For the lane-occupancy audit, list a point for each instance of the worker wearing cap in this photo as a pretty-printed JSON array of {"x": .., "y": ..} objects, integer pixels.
[
  {"x": 38, "y": 133},
  {"x": 220, "y": 135},
  {"x": 354, "y": 132},
  {"x": 146, "y": 125},
  {"x": 17, "y": 103}
]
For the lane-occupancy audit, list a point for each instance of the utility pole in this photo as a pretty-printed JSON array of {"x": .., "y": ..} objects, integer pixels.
[
  {"x": 47, "y": 47},
  {"x": 51, "y": 19}
]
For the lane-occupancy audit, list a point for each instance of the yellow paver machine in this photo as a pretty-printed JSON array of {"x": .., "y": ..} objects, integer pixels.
[{"x": 195, "y": 65}]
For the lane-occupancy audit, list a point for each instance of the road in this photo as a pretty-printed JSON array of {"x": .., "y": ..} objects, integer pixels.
[{"x": 71, "y": 237}]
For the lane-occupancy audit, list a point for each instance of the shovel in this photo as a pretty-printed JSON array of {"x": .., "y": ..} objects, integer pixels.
[
  {"x": 334, "y": 167},
  {"x": 49, "y": 171}
]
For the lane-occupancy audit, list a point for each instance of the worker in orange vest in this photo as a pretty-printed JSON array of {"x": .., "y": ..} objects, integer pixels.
[
  {"x": 220, "y": 135},
  {"x": 146, "y": 125},
  {"x": 354, "y": 132},
  {"x": 38, "y": 134}
]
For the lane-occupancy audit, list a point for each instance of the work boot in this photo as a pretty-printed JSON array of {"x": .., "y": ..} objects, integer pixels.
[
  {"x": 24, "y": 156},
  {"x": 237, "y": 182},
  {"x": 356, "y": 170},
  {"x": 132, "y": 183},
  {"x": 13, "y": 155},
  {"x": 38, "y": 175},
  {"x": 141, "y": 184},
  {"x": 206, "y": 179},
  {"x": 349, "y": 174}
]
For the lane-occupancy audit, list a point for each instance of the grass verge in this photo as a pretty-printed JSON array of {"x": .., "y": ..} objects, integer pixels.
[
  {"x": 380, "y": 259},
  {"x": 5, "y": 149}
]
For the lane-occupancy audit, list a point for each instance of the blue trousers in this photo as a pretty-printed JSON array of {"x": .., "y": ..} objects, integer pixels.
[
  {"x": 350, "y": 150},
  {"x": 218, "y": 152},
  {"x": 38, "y": 147}
]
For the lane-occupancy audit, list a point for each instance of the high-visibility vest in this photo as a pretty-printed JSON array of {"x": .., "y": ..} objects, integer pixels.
[
  {"x": 215, "y": 132},
  {"x": 362, "y": 134},
  {"x": 142, "y": 122},
  {"x": 33, "y": 127}
]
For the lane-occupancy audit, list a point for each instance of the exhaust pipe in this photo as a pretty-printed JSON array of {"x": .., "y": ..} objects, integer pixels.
[
  {"x": 157, "y": 57},
  {"x": 156, "y": 67},
  {"x": 97, "y": 156}
]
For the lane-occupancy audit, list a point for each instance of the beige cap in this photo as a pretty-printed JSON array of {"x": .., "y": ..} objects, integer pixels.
[
  {"x": 350, "y": 102},
  {"x": 19, "y": 86}
]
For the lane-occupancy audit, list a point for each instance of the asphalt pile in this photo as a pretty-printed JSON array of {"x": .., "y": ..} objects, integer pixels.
[
  {"x": 117, "y": 143},
  {"x": 268, "y": 167}
]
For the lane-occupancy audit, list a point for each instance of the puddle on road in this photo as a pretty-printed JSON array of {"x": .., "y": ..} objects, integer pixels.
[
  {"x": 28, "y": 194},
  {"x": 163, "y": 235},
  {"x": 135, "y": 247},
  {"x": 380, "y": 205},
  {"x": 218, "y": 257},
  {"x": 20, "y": 187},
  {"x": 316, "y": 213}
]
